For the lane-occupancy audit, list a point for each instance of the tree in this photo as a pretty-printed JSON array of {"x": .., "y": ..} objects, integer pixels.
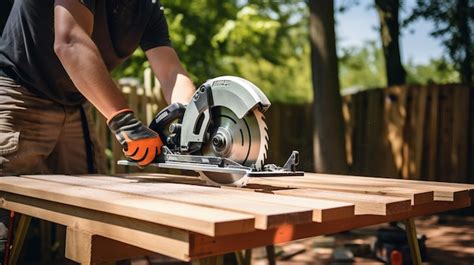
[
  {"x": 329, "y": 149},
  {"x": 437, "y": 71},
  {"x": 453, "y": 21},
  {"x": 389, "y": 32},
  {"x": 264, "y": 42}
]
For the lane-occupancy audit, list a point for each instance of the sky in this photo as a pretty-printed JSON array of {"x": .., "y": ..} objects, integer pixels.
[{"x": 358, "y": 25}]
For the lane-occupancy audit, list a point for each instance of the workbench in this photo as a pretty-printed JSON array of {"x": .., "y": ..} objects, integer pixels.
[{"x": 115, "y": 217}]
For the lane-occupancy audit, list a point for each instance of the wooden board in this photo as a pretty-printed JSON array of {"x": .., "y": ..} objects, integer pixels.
[
  {"x": 146, "y": 235},
  {"x": 86, "y": 248},
  {"x": 353, "y": 186},
  {"x": 441, "y": 191},
  {"x": 208, "y": 246},
  {"x": 266, "y": 214},
  {"x": 204, "y": 220},
  {"x": 188, "y": 221},
  {"x": 364, "y": 203},
  {"x": 323, "y": 210}
]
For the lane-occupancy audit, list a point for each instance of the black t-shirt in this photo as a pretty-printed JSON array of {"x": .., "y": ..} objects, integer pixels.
[{"x": 120, "y": 26}]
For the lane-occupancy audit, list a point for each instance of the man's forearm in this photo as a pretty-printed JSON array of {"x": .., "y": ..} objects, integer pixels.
[
  {"x": 87, "y": 70},
  {"x": 178, "y": 88},
  {"x": 175, "y": 82},
  {"x": 80, "y": 57}
]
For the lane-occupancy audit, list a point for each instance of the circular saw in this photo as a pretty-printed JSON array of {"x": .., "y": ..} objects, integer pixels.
[{"x": 221, "y": 134}]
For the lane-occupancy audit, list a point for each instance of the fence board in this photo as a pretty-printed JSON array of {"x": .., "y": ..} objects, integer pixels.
[{"x": 431, "y": 135}]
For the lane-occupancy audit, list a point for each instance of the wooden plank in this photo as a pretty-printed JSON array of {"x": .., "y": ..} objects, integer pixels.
[
  {"x": 266, "y": 215},
  {"x": 459, "y": 149},
  {"x": 421, "y": 190},
  {"x": 445, "y": 133},
  {"x": 156, "y": 238},
  {"x": 419, "y": 129},
  {"x": 395, "y": 119},
  {"x": 364, "y": 203},
  {"x": 203, "y": 220},
  {"x": 431, "y": 135},
  {"x": 409, "y": 167},
  {"x": 86, "y": 248},
  {"x": 333, "y": 183},
  {"x": 323, "y": 210},
  {"x": 208, "y": 246},
  {"x": 339, "y": 183},
  {"x": 377, "y": 160},
  {"x": 442, "y": 191}
]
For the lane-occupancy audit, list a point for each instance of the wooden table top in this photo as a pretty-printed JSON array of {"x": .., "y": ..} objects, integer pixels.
[{"x": 181, "y": 217}]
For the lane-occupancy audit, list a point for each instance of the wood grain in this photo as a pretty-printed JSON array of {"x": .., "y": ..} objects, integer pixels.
[
  {"x": 209, "y": 246},
  {"x": 266, "y": 214},
  {"x": 353, "y": 186},
  {"x": 364, "y": 203},
  {"x": 154, "y": 237},
  {"x": 86, "y": 248},
  {"x": 441, "y": 191},
  {"x": 204, "y": 220}
]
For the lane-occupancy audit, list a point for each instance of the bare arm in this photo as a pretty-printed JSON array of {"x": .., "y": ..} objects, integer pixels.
[
  {"x": 176, "y": 84},
  {"x": 80, "y": 57}
]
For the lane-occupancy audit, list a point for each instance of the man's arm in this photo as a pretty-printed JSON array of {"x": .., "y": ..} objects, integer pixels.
[
  {"x": 175, "y": 81},
  {"x": 73, "y": 25}
]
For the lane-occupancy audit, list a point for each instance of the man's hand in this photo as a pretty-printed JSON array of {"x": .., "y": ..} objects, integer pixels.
[{"x": 140, "y": 143}]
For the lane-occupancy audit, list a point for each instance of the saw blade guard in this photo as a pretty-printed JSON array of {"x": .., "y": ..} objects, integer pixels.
[{"x": 234, "y": 93}]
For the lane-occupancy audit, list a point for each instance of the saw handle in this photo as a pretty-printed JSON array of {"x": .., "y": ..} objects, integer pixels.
[{"x": 164, "y": 124}]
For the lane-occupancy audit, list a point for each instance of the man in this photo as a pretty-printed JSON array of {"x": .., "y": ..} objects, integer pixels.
[{"x": 55, "y": 55}]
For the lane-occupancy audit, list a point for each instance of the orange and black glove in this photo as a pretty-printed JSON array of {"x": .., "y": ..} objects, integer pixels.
[{"x": 140, "y": 143}]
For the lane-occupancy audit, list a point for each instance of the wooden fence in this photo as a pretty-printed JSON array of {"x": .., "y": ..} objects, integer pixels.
[
  {"x": 413, "y": 132},
  {"x": 410, "y": 132}
]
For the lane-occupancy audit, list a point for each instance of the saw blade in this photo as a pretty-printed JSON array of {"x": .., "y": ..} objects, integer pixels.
[{"x": 244, "y": 141}]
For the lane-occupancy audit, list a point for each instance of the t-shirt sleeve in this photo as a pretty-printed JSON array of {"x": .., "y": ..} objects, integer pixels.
[
  {"x": 90, "y": 4},
  {"x": 156, "y": 32}
]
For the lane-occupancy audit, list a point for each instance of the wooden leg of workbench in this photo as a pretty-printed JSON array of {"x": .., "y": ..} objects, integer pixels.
[
  {"x": 413, "y": 241},
  {"x": 244, "y": 257},
  {"x": 215, "y": 260},
  {"x": 270, "y": 254},
  {"x": 19, "y": 239},
  {"x": 86, "y": 248}
]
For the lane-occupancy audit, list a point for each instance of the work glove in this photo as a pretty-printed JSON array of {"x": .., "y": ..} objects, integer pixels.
[{"x": 140, "y": 143}]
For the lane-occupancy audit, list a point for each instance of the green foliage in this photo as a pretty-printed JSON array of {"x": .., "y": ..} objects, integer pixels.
[
  {"x": 133, "y": 67},
  {"x": 362, "y": 67},
  {"x": 264, "y": 42},
  {"x": 439, "y": 71},
  {"x": 454, "y": 26}
]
